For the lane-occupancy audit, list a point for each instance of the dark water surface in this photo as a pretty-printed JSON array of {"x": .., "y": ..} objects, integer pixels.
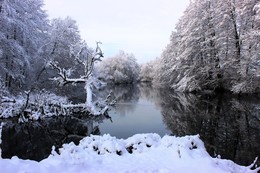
[{"x": 229, "y": 125}]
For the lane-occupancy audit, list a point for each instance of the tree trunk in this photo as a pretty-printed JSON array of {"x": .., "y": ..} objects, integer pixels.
[
  {"x": 89, "y": 94},
  {"x": 236, "y": 34}
]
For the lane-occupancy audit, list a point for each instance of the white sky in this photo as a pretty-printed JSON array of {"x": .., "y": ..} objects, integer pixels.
[{"x": 141, "y": 27}]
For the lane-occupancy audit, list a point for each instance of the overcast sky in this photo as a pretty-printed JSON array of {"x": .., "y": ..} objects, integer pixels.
[{"x": 141, "y": 27}]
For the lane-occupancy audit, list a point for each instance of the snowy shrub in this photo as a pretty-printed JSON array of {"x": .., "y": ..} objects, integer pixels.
[
  {"x": 32, "y": 105},
  {"x": 121, "y": 68},
  {"x": 44, "y": 104},
  {"x": 47, "y": 98},
  {"x": 11, "y": 106},
  {"x": 138, "y": 143}
]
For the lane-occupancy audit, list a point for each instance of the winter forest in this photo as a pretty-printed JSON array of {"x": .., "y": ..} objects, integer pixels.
[
  {"x": 213, "y": 49},
  {"x": 217, "y": 50}
]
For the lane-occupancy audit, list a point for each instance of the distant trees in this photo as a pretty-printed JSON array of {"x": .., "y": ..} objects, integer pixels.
[
  {"x": 122, "y": 68},
  {"x": 147, "y": 71},
  {"x": 215, "y": 46}
]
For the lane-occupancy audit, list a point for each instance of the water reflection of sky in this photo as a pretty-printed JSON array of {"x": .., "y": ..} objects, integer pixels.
[{"x": 139, "y": 117}]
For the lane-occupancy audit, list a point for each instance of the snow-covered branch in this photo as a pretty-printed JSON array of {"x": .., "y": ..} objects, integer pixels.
[
  {"x": 87, "y": 61},
  {"x": 83, "y": 56},
  {"x": 63, "y": 75}
]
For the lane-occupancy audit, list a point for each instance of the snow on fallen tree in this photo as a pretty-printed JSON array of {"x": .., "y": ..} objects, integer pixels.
[{"x": 139, "y": 153}]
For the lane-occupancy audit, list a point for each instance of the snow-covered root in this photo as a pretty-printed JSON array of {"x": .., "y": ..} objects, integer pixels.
[{"x": 139, "y": 153}]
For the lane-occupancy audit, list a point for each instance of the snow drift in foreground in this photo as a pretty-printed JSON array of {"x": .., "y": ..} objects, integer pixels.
[{"x": 140, "y": 153}]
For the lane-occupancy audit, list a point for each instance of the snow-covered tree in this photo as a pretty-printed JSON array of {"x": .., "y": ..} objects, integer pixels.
[
  {"x": 165, "y": 68},
  {"x": 87, "y": 60},
  {"x": 248, "y": 69},
  {"x": 63, "y": 35},
  {"x": 215, "y": 46},
  {"x": 122, "y": 68},
  {"x": 147, "y": 71},
  {"x": 23, "y": 26}
]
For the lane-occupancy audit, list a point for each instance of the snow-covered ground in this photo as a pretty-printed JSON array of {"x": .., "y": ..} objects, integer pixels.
[{"x": 139, "y": 153}]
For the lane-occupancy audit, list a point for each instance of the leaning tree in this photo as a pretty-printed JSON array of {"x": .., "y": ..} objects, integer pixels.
[{"x": 87, "y": 59}]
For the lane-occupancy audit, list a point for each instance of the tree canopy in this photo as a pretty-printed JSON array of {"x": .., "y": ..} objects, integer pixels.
[{"x": 215, "y": 46}]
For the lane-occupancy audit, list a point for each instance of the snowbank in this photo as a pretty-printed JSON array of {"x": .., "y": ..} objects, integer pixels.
[{"x": 140, "y": 153}]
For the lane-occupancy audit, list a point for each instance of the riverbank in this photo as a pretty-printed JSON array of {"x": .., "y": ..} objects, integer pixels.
[{"x": 139, "y": 153}]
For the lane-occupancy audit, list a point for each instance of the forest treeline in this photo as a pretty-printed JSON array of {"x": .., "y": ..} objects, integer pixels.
[{"x": 215, "y": 46}]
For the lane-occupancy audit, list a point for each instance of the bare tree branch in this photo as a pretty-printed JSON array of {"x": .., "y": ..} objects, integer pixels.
[
  {"x": 87, "y": 59},
  {"x": 63, "y": 75}
]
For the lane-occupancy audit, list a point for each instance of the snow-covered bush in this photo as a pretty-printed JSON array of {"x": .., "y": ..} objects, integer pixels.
[
  {"x": 33, "y": 105},
  {"x": 11, "y": 106},
  {"x": 43, "y": 104},
  {"x": 121, "y": 68},
  {"x": 139, "y": 143}
]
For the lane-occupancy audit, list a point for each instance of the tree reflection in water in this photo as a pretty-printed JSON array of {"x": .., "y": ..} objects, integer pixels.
[
  {"x": 229, "y": 125},
  {"x": 34, "y": 140},
  {"x": 126, "y": 96}
]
